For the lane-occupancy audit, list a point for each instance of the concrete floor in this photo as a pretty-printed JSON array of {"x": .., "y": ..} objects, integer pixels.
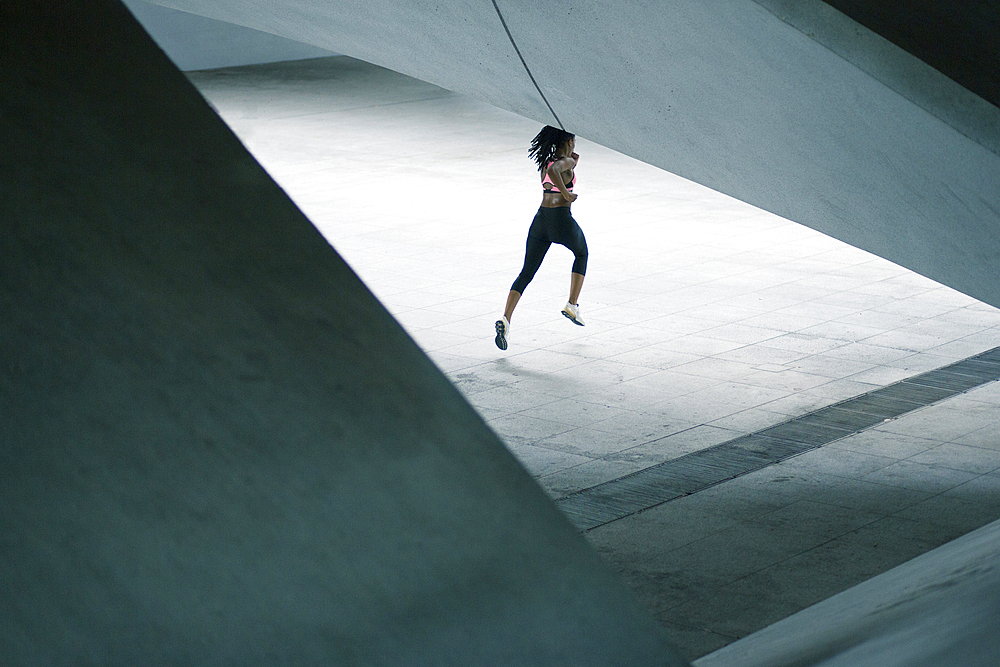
[{"x": 706, "y": 319}]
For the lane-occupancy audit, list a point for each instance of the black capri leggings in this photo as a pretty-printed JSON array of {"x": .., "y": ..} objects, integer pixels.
[{"x": 551, "y": 225}]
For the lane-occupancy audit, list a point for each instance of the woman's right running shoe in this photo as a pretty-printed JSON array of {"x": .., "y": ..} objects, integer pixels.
[{"x": 572, "y": 311}]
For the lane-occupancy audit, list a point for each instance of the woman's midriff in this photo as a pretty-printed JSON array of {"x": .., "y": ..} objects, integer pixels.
[{"x": 554, "y": 200}]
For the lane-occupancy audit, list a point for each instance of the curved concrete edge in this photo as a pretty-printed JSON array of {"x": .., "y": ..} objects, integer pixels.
[
  {"x": 216, "y": 446},
  {"x": 194, "y": 42},
  {"x": 941, "y": 608},
  {"x": 459, "y": 45}
]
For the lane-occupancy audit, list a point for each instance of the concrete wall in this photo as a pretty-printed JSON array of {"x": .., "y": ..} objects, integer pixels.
[
  {"x": 216, "y": 447},
  {"x": 735, "y": 95},
  {"x": 194, "y": 42}
]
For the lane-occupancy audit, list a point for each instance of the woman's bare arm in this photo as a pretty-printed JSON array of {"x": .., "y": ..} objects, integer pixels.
[{"x": 555, "y": 172}]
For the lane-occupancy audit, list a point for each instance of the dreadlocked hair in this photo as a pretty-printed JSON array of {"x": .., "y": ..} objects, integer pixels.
[{"x": 546, "y": 143}]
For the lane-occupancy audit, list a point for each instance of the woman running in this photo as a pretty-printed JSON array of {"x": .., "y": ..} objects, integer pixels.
[{"x": 552, "y": 149}]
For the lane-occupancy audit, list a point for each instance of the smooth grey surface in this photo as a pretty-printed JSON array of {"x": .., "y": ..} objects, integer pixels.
[
  {"x": 706, "y": 319},
  {"x": 216, "y": 446},
  {"x": 725, "y": 94},
  {"x": 194, "y": 42},
  {"x": 941, "y": 608}
]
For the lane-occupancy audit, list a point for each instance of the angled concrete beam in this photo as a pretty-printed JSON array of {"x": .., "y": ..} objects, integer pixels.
[{"x": 216, "y": 447}]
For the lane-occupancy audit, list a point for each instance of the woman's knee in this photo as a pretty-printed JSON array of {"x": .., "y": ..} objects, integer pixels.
[{"x": 523, "y": 278}]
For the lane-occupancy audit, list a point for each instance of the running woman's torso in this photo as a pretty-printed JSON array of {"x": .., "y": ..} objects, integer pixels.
[{"x": 551, "y": 197}]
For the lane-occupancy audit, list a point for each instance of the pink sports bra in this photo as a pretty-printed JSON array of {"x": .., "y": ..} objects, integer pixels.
[{"x": 549, "y": 186}]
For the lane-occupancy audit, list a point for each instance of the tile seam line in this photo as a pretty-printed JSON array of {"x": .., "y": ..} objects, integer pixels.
[{"x": 692, "y": 455}]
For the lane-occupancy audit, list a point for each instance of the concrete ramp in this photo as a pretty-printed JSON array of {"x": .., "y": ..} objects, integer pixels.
[
  {"x": 216, "y": 447},
  {"x": 789, "y": 106},
  {"x": 941, "y": 608}
]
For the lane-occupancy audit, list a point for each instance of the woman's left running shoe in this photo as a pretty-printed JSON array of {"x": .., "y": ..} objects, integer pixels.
[{"x": 503, "y": 330}]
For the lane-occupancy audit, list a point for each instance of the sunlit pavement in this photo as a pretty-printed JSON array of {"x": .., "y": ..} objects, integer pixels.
[{"x": 706, "y": 319}]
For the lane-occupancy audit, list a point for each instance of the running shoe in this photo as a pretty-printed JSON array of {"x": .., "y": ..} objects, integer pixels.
[
  {"x": 503, "y": 330},
  {"x": 573, "y": 313}
]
